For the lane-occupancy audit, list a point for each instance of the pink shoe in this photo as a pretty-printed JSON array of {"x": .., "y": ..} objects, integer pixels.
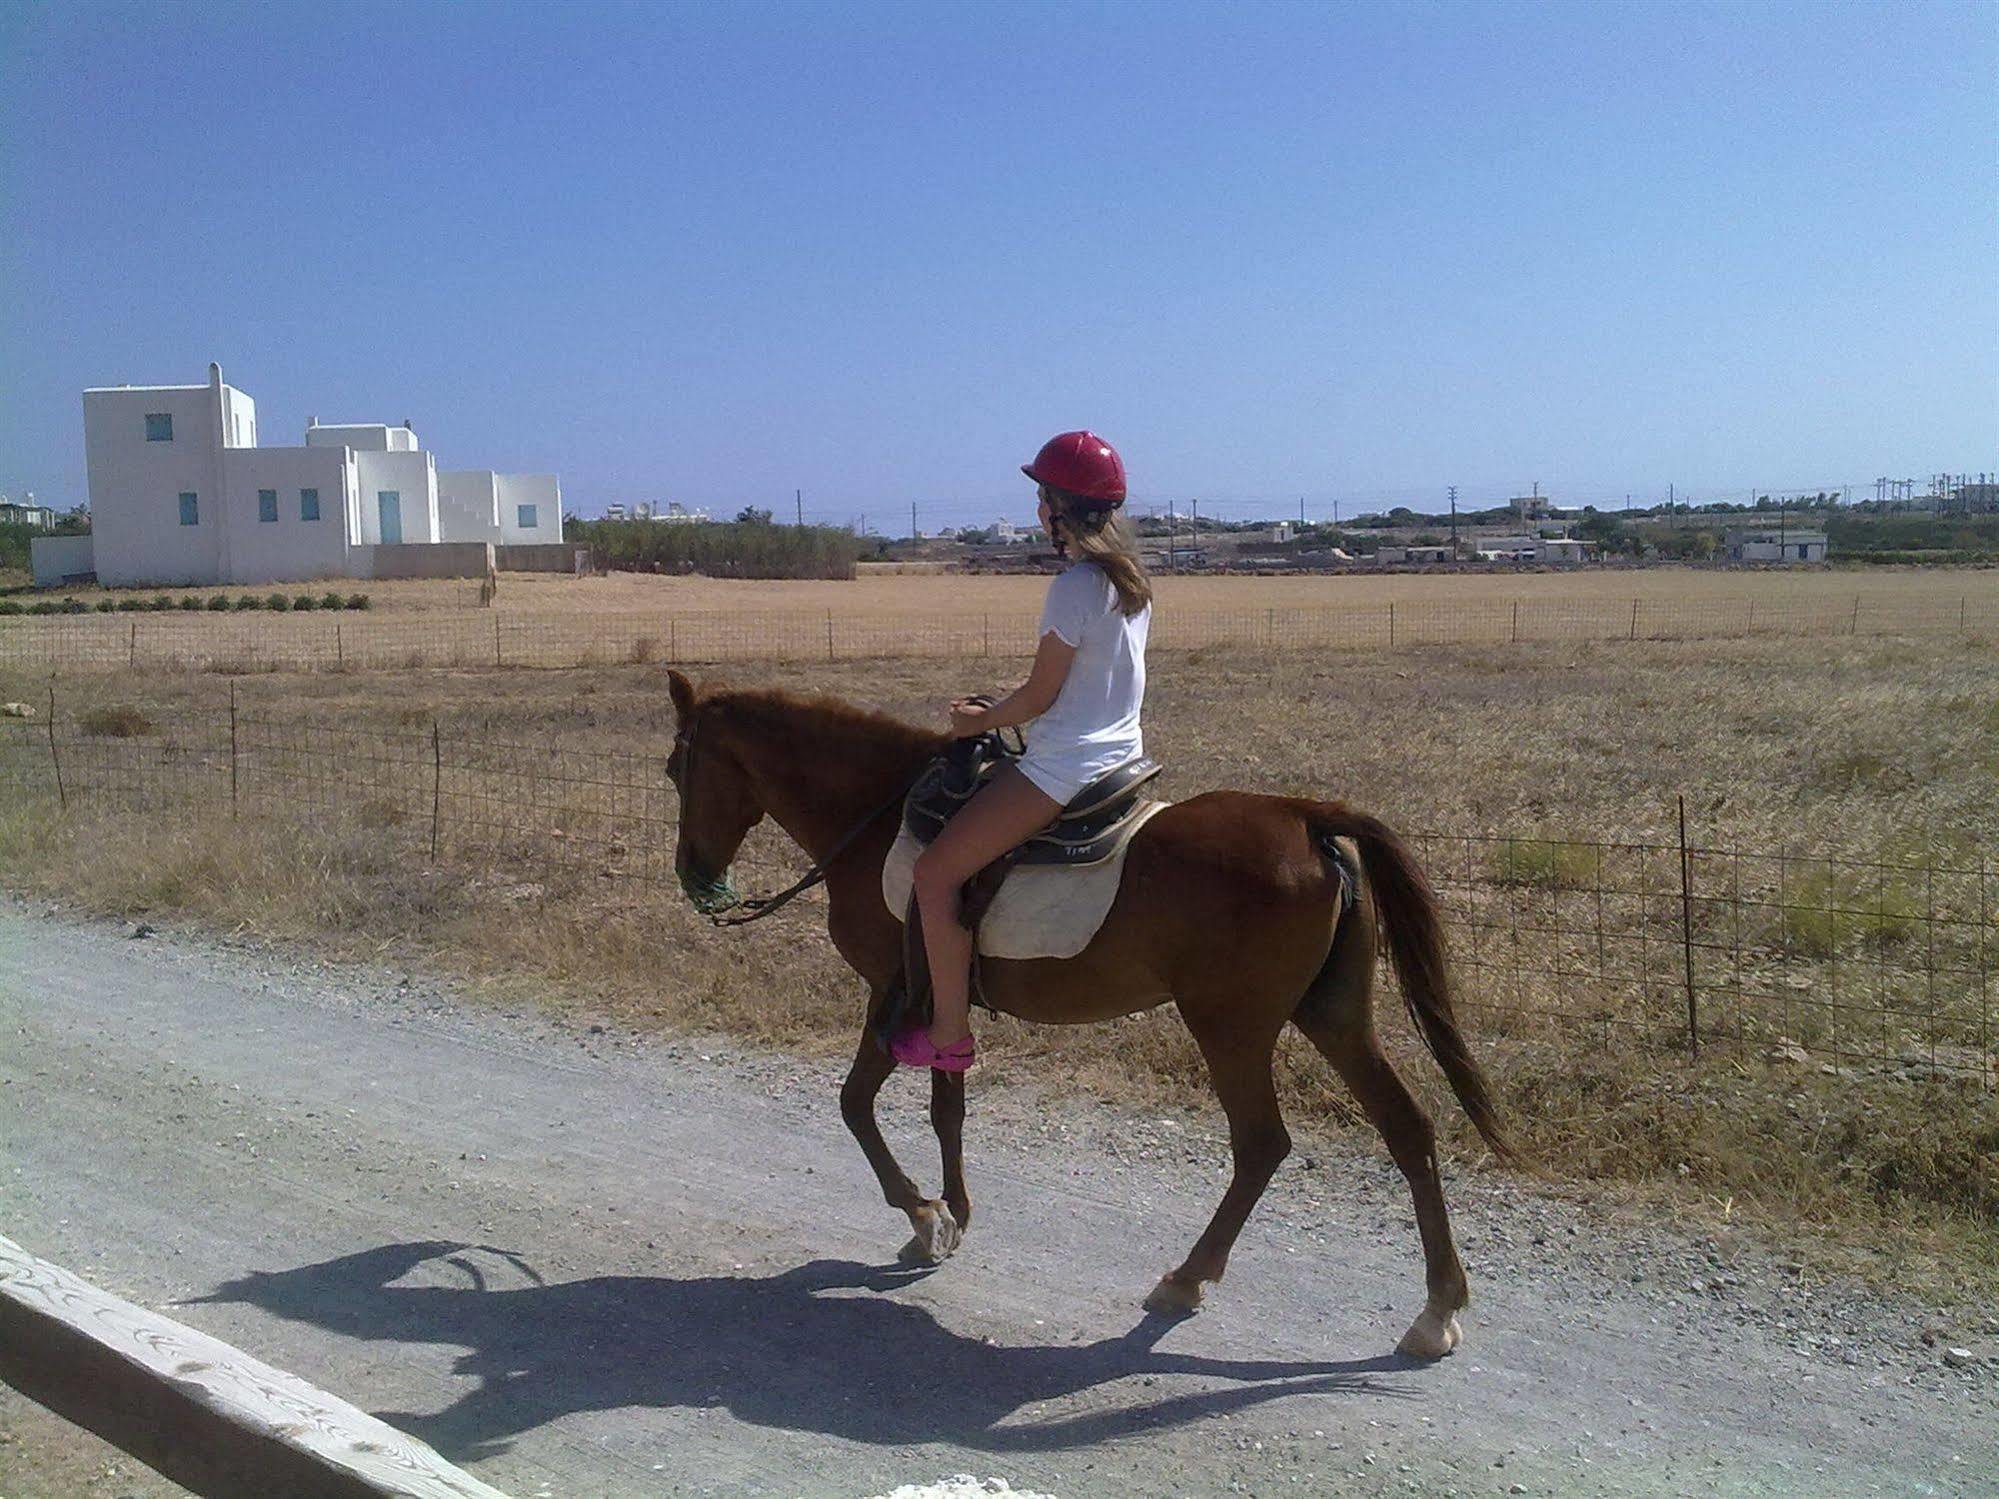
[{"x": 912, "y": 1048}]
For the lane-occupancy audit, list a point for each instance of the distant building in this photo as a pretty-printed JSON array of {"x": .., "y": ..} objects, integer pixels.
[
  {"x": 27, "y": 513},
  {"x": 1776, "y": 544},
  {"x": 180, "y": 492},
  {"x": 1538, "y": 549},
  {"x": 1389, "y": 556}
]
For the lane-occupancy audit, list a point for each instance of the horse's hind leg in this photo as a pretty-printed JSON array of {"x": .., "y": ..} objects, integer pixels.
[
  {"x": 1240, "y": 1068},
  {"x": 1345, "y": 1037},
  {"x": 936, "y": 1229}
]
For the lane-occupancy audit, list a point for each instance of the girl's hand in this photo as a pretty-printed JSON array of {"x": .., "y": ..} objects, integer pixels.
[{"x": 968, "y": 718}]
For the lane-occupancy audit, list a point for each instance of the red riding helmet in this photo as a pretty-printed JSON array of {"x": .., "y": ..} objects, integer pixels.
[{"x": 1082, "y": 463}]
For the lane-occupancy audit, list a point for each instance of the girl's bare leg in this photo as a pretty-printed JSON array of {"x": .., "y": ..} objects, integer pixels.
[{"x": 1002, "y": 816}]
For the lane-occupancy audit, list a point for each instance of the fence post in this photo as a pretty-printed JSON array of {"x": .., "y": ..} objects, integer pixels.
[
  {"x": 232, "y": 749},
  {"x": 1854, "y": 627},
  {"x": 1270, "y": 627},
  {"x": 989, "y": 637},
  {"x": 1634, "y": 620},
  {"x": 436, "y": 785},
  {"x": 1752, "y": 617},
  {"x": 1687, "y": 933},
  {"x": 829, "y": 634},
  {"x": 673, "y": 637},
  {"x": 496, "y": 639},
  {"x": 1516, "y": 621},
  {"x": 132, "y": 657},
  {"x": 1391, "y": 624},
  {"x": 1960, "y": 615},
  {"x": 62, "y": 792},
  {"x": 339, "y": 646}
]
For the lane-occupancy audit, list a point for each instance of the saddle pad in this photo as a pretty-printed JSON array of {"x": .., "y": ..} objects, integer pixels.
[{"x": 1042, "y": 910}]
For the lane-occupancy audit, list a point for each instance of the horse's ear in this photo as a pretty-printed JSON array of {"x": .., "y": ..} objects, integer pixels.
[{"x": 682, "y": 692}]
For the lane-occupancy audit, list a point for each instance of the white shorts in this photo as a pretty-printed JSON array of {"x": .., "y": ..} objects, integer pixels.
[{"x": 1062, "y": 777}]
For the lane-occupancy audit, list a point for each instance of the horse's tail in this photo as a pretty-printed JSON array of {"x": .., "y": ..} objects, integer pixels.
[{"x": 1407, "y": 909}]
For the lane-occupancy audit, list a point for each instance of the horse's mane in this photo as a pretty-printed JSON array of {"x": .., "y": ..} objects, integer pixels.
[{"x": 811, "y": 724}]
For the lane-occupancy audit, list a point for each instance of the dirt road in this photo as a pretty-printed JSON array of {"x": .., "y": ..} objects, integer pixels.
[{"x": 580, "y": 1262}]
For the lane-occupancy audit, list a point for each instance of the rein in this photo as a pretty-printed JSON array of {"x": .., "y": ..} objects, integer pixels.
[{"x": 756, "y": 907}]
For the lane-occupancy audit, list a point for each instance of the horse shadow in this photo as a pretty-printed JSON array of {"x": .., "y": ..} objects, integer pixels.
[{"x": 807, "y": 1350}]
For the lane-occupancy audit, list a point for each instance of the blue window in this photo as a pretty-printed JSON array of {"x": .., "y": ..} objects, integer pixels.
[
  {"x": 190, "y": 509},
  {"x": 159, "y": 426},
  {"x": 267, "y": 504},
  {"x": 308, "y": 504},
  {"x": 524, "y": 517}
]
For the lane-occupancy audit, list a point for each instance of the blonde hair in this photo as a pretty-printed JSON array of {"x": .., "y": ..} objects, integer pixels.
[{"x": 1089, "y": 531}]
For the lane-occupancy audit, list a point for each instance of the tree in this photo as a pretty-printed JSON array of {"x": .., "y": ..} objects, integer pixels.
[{"x": 750, "y": 515}]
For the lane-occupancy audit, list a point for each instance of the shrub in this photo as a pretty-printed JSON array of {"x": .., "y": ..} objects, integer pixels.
[
  {"x": 330, "y": 600},
  {"x": 75, "y": 606},
  {"x": 116, "y": 721},
  {"x": 219, "y": 604},
  {"x": 8, "y": 606},
  {"x": 106, "y": 606},
  {"x": 42, "y": 606},
  {"x": 246, "y": 601},
  {"x": 159, "y": 603},
  {"x": 305, "y": 601},
  {"x": 190, "y": 603},
  {"x": 357, "y": 601},
  {"x": 1547, "y": 863},
  {"x": 128, "y": 604},
  {"x": 278, "y": 601}
]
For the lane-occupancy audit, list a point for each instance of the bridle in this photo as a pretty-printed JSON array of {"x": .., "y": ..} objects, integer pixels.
[{"x": 717, "y": 896}]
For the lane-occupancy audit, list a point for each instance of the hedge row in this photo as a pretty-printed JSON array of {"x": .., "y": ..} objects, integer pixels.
[{"x": 218, "y": 604}]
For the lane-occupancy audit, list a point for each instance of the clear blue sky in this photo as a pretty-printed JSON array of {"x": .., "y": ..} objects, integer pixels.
[{"x": 717, "y": 251}]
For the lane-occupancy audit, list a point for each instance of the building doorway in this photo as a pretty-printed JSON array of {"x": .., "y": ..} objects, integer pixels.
[{"x": 390, "y": 504}]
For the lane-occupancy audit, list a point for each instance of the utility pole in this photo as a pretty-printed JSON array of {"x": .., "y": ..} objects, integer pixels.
[
  {"x": 1172, "y": 535},
  {"x": 1454, "y": 523},
  {"x": 1301, "y": 512},
  {"x": 912, "y": 520},
  {"x": 798, "y": 500}
]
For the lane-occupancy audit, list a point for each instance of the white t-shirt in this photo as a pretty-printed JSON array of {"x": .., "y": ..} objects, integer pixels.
[{"x": 1093, "y": 726}]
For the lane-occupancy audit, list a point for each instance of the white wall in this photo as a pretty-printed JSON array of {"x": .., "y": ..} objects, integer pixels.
[
  {"x": 135, "y": 485},
  {"x": 539, "y": 490},
  {"x": 58, "y": 557},
  {"x": 414, "y": 477},
  {"x": 287, "y": 550},
  {"x": 362, "y": 437},
  {"x": 239, "y": 419},
  {"x": 468, "y": 506}
]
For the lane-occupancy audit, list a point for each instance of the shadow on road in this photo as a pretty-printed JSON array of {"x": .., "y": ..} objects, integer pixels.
[{"x": 804, "y": 1350}]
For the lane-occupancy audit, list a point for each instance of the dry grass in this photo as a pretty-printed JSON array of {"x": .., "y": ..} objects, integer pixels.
[
  {"x": 933, "y": 594},
  {"x": 1767, "y": 740}
]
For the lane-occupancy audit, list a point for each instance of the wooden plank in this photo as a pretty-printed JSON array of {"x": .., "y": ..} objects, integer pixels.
[{"x": 205, "y": 1414}]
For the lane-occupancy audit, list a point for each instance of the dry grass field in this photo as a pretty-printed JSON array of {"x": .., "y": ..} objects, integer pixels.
[
  {"x": 1853, "y": 745},
  {"x": 1015, "y": 595}
]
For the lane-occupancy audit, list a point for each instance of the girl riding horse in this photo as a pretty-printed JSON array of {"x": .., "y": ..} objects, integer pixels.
[{"x": 1082, "y": 697}]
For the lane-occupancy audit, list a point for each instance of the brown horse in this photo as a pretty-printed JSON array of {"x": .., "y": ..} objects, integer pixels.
[{"x": 1233, "y": 908}]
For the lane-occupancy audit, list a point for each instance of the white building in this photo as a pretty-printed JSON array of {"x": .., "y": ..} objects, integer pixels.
[
  {"x": 181, "y": 493},
  {"x": 26, "y": 513},
  {"x": 1777, "y": 544}
]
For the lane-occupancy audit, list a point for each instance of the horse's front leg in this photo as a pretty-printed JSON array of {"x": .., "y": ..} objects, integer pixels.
[
  {"x": 947, "y": 1117},
  {"x": 936, "y": 1228}
]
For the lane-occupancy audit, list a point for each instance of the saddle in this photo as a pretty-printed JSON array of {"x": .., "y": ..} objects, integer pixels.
[{"x": 1093, "y": 827}]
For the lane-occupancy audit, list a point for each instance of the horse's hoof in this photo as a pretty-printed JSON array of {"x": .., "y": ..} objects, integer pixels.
[
  {"x": 936, "y": 1238},
  {"x": 1174, "y": 1298},
  {"x": 1432, "y": 1335}
]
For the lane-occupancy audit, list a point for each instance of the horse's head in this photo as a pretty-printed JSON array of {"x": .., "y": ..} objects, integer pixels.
[{"x": 718, "y": 807}]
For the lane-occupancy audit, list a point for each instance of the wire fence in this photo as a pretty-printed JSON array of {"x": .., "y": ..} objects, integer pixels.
[
  {"x": 1832, "y": 959},
  {"x": 492, "y": 637}
]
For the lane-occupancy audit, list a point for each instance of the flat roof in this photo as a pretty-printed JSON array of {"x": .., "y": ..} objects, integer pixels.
[{"x": 93, "y": 390}]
